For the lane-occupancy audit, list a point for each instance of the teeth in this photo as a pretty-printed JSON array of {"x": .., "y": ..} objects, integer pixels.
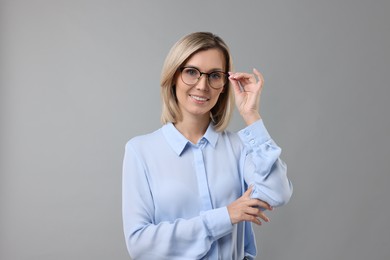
[{"x": 199, "y": 98}]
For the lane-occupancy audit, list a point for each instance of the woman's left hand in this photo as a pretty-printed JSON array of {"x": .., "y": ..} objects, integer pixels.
[{"x": 247, "y": 91}]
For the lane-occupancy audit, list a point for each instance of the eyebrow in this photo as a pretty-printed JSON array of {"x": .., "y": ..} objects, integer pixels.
[{"x": 211, "y": 70}]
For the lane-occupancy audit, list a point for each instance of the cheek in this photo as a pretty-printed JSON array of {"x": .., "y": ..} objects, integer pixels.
[{"x": 180, "y": 93}]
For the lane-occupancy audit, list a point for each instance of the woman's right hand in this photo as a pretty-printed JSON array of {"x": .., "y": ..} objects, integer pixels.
[{"x": 247, "y": 209}]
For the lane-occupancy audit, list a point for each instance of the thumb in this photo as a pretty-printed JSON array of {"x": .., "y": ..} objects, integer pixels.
[
  {"x": 236, "y": 86},
  {"x": 248, "y": 192}
]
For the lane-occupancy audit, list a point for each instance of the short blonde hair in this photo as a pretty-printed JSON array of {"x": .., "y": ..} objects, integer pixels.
[{"x": 180, "y": 52}]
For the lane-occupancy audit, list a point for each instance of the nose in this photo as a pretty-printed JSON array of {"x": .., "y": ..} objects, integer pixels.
[{"x": 203, "y": 83}]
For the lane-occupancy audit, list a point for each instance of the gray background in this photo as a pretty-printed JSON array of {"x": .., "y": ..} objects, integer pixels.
[{"x": 79, "y": 78}]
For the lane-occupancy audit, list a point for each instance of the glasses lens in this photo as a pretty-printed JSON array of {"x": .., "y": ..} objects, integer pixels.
[
  {"x": 190, "y": 75},
  {"x": 217, "y": 79}
]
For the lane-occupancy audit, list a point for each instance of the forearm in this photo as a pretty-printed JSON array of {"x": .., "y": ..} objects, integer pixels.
[
  {"x": 263, "y": 167},
  {"x": 190, "y": 239},
  {"x": 274, "y": 187}
]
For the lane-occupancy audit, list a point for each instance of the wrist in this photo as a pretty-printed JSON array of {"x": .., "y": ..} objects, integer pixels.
[{"x": 251, "y": 117}]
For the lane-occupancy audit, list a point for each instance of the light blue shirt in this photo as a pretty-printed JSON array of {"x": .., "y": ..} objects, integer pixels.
[{"x": 176, "y": 193}]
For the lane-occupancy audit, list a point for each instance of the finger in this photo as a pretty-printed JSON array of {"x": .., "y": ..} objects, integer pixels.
[
  {"x": 248, "y": 192},
  {"x": 255, "y": 203},
  {"x": 243, "y": 76},
  {"x": 251, "y": 218},
  {"x": 258, "y": 203},
  {"x": 258, "y": 213},
  {"x": 263, "y": 204},
  {"x": 259, "y": 76},
  {"x": 254, "y": 220},
  {"x": 263, "y": 216},
  {"x": 236, "y": 86}
]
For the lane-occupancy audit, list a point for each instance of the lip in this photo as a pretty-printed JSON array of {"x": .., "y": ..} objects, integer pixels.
[{"x": 199, "y": 99}]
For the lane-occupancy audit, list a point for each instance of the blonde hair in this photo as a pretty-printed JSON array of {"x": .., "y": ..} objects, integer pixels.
[{"x": 180, "y": 52}]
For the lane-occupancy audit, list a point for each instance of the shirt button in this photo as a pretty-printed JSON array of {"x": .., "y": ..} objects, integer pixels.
[{"x": 252, "y": 141}]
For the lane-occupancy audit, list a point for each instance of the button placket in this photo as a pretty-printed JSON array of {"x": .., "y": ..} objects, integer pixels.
[{"x": 203, "y": 187}]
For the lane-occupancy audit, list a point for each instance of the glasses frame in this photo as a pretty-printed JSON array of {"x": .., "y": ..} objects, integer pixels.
[{"x": 201, "y": 74}]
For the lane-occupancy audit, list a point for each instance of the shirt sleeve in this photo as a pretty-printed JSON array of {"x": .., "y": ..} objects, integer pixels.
[
  {"x": 263, "y": 167},
  {"x": 180, "y": 239}
]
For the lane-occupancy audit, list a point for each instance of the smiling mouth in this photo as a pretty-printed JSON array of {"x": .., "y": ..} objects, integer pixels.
[{"x": 201, "y": 99}]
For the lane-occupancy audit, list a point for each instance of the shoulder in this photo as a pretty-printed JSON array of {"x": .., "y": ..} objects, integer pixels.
[{"x": 145, "y": 141}]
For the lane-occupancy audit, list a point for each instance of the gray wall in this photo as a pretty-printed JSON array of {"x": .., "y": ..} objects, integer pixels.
[{"x": 79, "y": 78}]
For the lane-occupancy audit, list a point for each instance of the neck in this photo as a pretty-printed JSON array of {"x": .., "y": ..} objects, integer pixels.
[{"x": 193, "y": 129}]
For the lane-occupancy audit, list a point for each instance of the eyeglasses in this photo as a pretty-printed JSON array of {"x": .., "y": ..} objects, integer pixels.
[{"x": 191, "y": 76}]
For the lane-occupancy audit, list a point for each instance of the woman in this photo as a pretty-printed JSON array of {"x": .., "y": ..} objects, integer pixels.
[{"x": 191, "y": 189}]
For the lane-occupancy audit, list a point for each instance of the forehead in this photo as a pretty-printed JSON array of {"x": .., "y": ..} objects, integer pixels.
[{"x": 207, "y": 60}]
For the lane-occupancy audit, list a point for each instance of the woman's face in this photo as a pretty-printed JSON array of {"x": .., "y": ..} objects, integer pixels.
[{"x": 197, "y": 101}]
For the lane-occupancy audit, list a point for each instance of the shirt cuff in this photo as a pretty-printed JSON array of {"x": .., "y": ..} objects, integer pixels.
[
  {"x": 217, "y": 222},
  {"x": 255, "y": 134}
]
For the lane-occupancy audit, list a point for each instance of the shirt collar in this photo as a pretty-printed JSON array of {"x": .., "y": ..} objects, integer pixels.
[
  {"x": 211, "y": 135},
  {"x": 178, "y": 142}
]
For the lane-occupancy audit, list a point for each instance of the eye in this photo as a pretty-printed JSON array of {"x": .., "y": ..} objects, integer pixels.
[
  {"x": 216, "y": 75},
  {"x": 191, "y": 72}
]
